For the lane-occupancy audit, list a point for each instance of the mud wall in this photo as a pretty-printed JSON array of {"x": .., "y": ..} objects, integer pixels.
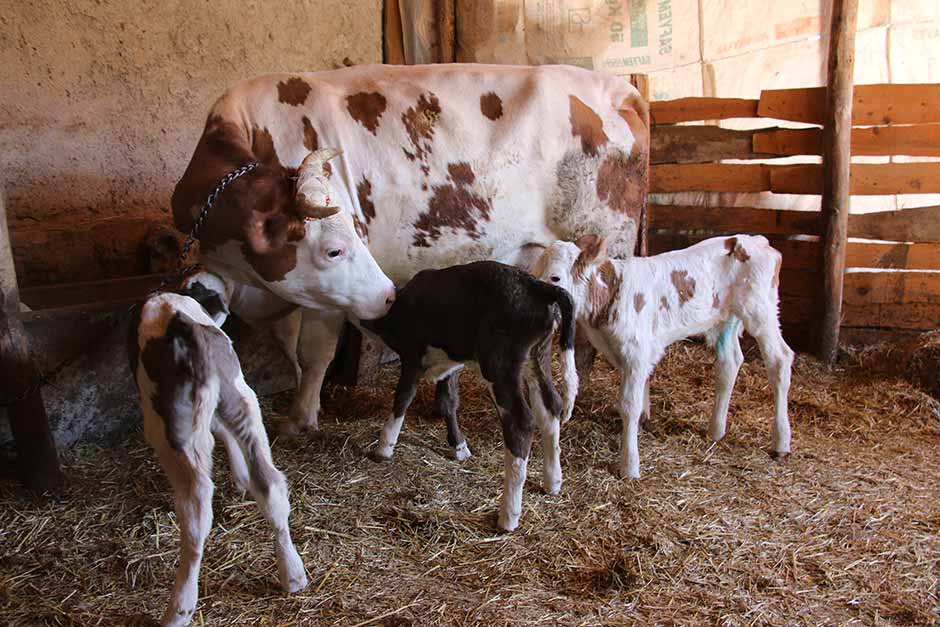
[{"x": 101, "y": 104}]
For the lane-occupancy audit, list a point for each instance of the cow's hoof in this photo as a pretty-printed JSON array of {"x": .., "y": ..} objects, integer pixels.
[
  {"x": 628, "y": 473},
  {"x": 462, "y": 452},
  {"x": 379, "y": 456},
  {"x": 552, "y": 488},
  {"x": 779, "y": 456},
  {"x": 507, "y": 524}
]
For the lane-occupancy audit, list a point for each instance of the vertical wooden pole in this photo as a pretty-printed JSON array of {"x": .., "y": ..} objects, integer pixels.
[
  {"x": 37, "y": 462},
  {"x": 837, "y": 135},
  {"x": 642, "y": 84}
]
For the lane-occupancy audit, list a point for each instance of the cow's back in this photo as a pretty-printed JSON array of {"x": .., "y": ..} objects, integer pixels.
[{"x": 452, "y": 163}]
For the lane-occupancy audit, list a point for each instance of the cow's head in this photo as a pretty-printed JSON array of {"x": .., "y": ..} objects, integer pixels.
[{"x": 291, "y": 239}]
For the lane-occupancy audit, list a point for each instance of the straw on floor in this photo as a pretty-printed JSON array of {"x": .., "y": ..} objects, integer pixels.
[{"x": 843, "y": 532}]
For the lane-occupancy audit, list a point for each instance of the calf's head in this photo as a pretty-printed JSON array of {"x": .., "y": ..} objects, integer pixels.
[
  {"x": 571, "y": 264},
  {"x": 293, "y": 240}
]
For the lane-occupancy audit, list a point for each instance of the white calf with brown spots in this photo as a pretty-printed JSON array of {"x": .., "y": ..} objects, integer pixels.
[
  {"x": 633, "y": 309},
  {"x": 191, "y": 389}
]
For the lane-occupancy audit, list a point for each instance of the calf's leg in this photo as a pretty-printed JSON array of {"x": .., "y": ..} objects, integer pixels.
[
  {"x": 778, "y": 359},
  {"x": 241, "y": 415},
  {"x": 546, "y": 406},
  {"x": 517, "y": 437},
  {"x": 404, "y": 394},
  {"x": 236, "y": 459},
  {"x": 447, "y": 394},
  {"x": 728, "y": 360},
  {"x": 634, "y": 378}
]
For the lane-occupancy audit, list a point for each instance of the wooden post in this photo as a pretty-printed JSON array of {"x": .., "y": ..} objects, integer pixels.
[
  {"x": 837, "y": 137},
  {"x": 37, "y": 462},
  {"x": 642, "y": 84}
]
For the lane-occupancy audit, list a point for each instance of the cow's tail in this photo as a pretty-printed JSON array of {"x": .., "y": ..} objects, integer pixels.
[{"x": 569, "y": 373}]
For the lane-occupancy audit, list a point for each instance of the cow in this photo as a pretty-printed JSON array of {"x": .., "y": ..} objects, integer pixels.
[
  {"x": 441, "y": 164},
  {"x": 192, "y": 391},
  {"x": 632, "y": 310},
  {"x": 502, "y": 319}
]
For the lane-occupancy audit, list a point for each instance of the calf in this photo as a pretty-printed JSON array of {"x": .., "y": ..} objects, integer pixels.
[
  {"x": 191, "y": 389},
  {"x": 633, "y": 309},
  {"x": 501, "y": 318}
]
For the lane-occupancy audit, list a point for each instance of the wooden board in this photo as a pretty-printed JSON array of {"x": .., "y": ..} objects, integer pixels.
[
  {"x": 731, "y": 220},
  {"x": 701, "y": 144},
  {"x": 866, "y": 178},
  {"x": 694, "y": 109},
  {"x": 919, "y": 224},
  {"x": 90, "y": 292},
  {"x": 710, "y": 177},
  {"x": 892, "y": 287},
  {"x": 918, "y": 140},
  {"x": 893, "y": 256},
  {"x": 872, "y": 104}
]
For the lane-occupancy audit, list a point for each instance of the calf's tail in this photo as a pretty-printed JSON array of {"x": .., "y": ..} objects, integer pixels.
[{"x": 569, "y": 372}]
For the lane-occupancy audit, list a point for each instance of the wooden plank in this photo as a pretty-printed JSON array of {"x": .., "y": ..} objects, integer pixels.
[
  {"x": 871, "y": 105},
  {"x": 893, "y": 256},
  {"x": 79, "y": 293},
  {"x": 393, "y": 46},
  {"x": 892, "y": 287},
  {"x": 731, "y": 220},
  {"x": 919, "y": 224},
  {"x": 642, "y": 84},
  {"x": 695, "y": 109},
  {"x": 915, "y": 316},
  {"x": 37, "y": 460},
  {"x": 701, "y": 144},
  {"x": 710, "y": 177},
  {"x": 918, "y": 140},
  {"x": 866, "y": 178}
]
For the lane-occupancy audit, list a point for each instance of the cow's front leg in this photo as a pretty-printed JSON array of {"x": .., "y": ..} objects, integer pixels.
[{"x": 319, "y": 334}]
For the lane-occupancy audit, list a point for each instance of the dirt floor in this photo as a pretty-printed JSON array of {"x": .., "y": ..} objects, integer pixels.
[{"x": 844, "y": 532}]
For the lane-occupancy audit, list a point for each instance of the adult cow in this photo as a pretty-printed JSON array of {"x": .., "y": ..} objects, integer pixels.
[{"x": 441, "y": 164}]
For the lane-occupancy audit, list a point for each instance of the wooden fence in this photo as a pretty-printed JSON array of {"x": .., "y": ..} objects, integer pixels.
[{"x": 900, "y": 289}]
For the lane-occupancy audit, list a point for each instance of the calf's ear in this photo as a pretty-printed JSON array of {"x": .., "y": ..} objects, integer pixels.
[{"x": 593, "y": 249}]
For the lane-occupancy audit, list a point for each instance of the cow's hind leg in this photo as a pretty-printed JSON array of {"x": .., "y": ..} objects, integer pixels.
[
  {"x": 241, "y": 415},
  {"x": 404, "y": 394},
  {"x": 448, "y": 402},
  {"x": 189, "y": 471}
]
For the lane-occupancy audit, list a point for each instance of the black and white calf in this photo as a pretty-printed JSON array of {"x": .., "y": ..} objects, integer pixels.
[
  {"x": 501, "y": 318},
  {"x": 191, "y": 389},
  {"x": 633, "y": 309}
]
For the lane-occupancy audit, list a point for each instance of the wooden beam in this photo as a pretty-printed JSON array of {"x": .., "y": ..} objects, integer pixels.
[
  {"x": 917, "y": 140},
  {"x": 710, "y": 177},
  {"x": 696, "y": 109},
  {"x": 918, "y": 224},
  {"x": 837, "y": 157},
  {"x": 642, "y": 84},
  {"x": 393, "y": 46},
  {"x": 37, "y": 461},
  {"x": 892, "y": 287},
  {"x": 866, "y": 179},
  {"x": 731, "y": 220},
  {"x": 872, "y": 104},
  {"x": 701, "y": 144}
]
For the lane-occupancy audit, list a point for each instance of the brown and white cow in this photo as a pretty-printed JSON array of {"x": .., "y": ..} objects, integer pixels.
[{"x": 441, "y": 164}]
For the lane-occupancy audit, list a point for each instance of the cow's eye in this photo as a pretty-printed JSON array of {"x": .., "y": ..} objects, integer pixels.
[
  {"x": 334, "y": 253},
  {"x": 555, "y": 278}
]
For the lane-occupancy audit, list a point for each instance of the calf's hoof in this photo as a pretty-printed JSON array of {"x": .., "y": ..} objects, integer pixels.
[
  {"x": 552, "y": 488},
  {"x": 381, "y": 455},
  {"x": 506, "y": 523},
  {"x": 628, "y": 473},
  {"x": 291, "y": 573},
  {"x": 295, "y": 584},
  {"x": 779, "y": 456},
  {"x": 462, "y": 452}
]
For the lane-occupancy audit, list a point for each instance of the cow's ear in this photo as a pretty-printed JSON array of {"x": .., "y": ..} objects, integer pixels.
[
  {"x": 593, "y": 249},
  {"x": 268, "y": 232}
]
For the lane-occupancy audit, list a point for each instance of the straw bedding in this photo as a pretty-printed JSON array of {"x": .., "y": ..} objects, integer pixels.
[{"x": 843, "y": 532}]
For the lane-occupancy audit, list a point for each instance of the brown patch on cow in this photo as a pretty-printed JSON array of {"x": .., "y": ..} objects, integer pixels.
[
  {"x": 491, "y": 105},
  {"x": 362, "y": 230},
  {"x": 262, "y": 143},
  {"x": 602, "y": 295},
  {"x": 684, "y": 284},
  {"x": 586, "y": 124},
  {"x": 310, "y": 135},
  {"x": 366, "y": 108},
  {"x": 639, "y": 301},
  {"x": 664, "y": 303},
  {"x": 364, "y": 192},
  {"x": 419, "y": 122},
  {"x": 622, "y": 182},
  {"x": 274, "y": 266},
  {"x": 734, "y": 248},
  {"x": 293, "y": 91},
  {"x": 454, "y": 206}
]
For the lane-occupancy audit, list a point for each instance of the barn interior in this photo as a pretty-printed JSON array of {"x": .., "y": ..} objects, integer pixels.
[{"x": 813, "y": 123}]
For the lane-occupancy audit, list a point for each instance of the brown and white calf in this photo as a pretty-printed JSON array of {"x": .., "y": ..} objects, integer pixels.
[
  {"x": 633, "y": 309},
  {"x": 191, "y": 391},
  {"x": 501, "y": 318}
]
